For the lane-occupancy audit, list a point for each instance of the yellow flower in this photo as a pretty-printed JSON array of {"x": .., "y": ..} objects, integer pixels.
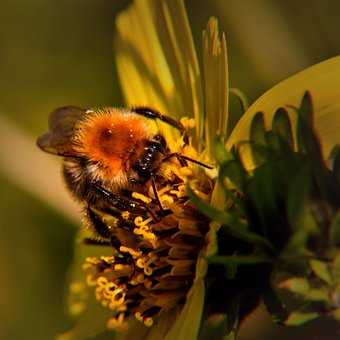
[{"x": 158, "y": 67}]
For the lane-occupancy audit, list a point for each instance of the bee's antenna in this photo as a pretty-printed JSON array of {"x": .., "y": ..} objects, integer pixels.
[{"x": 181, "y": 157}]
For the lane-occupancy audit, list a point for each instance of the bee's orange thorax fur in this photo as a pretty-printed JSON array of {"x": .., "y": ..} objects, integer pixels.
[{"x": 113, "y": 138}]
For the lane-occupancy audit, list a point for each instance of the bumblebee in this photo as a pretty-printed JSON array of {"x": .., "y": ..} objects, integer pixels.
[{"x": 108, "y": 153}]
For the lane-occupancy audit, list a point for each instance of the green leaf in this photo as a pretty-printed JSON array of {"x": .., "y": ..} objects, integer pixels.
[
  {"x": 257, "y": 138},
  {"x": 242, "y": 98},
  {"x": 234, "y": 172},
  {"x": 336, "y": 162},
  {"x": 317, "y": 295},
  {"x": 295, "y": 285},
  {"x": 336, "y": 269},
  {"x": 214, "y": 327},
  {"x": 239, "y": 259},
  {"x": 298, "y": 192},
  {"x": 323, "y": 81},
  {"x": 232, "y": 224},
  {"x": 274, "y": 305},
  {"x": 220, "y": 152},
  {"x": 257, "y": 129},
  {"x": 321, "y": 270},
  {"x": 335, "y": 230},
  {"x": 306, "y": 109},
  {"x": 336, "y": 314},
  {"x": 304, "y": 123},
  {"x": 299, "y": 318},
  {"x": 281, "y": 126},
  {"x": 230, "y": 336}
]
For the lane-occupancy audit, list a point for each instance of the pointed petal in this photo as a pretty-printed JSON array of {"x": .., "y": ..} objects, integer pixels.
[
  {"x": 90, "y": 316},
  {"x": 215, "y": 65},
  {"x": 322, "y": 81},
  {"x": 161, "y": 328},
  {"x": 188, "y": 323},
  {"x": 156, "y": 58}
]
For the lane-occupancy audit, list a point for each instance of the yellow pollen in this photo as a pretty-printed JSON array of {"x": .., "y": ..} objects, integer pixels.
[
  {"x": 138, "y": 316},
  {"x": 148, "y": 322},
  {"x": 117, "y": 323},
  {"x": 91, "y": 280},
  {"x": 102, "y": 281},
  {"x": 167, "y": 200},
  {"x": 131, "y": 251},
  {"x": 140, "y": 277},
  {"x": 163, "y": 190},
  {"x": 125, "y": 215},
  {"x": 188, "y": 123},
  {"x": 141, "y": 197},
  {"x": 139, "y": 222},
  {"x": 147, "y": 283},
  {"x": 186, "y": 172},
  {"x": 148, "y": 271},
  {"x": 140, "y": 263}
]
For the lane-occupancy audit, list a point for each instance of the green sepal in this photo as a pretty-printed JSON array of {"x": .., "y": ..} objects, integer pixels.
[
  {"x": 239, "y": 259},
  {"x": 275, "y": 306},
  {"x": 299, "y": 318},
  {"x": 257, "y": 129},
  {"x": 317, "y": 295},
  {"x": 335, "y": 156},
  {"x": 282, "y": 127},
  {"x": 336, "y": 269},
  {"x": 296, "y": 285},
  {"x": 321, "y": 270},
  {"x": 221, "y": 154},
  {"x": 258, "y": 137},
  {"x": 336, "y": 314},
  {"x": 231, "y": 223},
  {"x": 335, "y": 230},
  {"x": 234, "y": 172}
]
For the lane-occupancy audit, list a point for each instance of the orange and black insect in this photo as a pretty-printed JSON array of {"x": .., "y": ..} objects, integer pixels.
[{"x": 107, "y": 154}]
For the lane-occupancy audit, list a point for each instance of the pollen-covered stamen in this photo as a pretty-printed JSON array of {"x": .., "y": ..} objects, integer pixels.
[{"x": 155, "y": 264}]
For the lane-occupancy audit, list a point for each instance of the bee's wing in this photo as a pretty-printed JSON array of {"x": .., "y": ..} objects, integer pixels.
[{"x": 62, "y": 123}]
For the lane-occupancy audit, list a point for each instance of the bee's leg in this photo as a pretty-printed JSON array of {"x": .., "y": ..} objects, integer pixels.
[
  {"x": 124, "y": 203},
  {"x": 182, "y": 158},
  {"x": 153, "y": 114},
  {"x": 96, "y": 242},
  {"x": 118, "y": 201},
  {"x": 153, "y": 183},
  {"x": 102, "y": 230}
]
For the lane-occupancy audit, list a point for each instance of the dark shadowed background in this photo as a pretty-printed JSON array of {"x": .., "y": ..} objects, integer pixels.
[{"x": 54, "y": 53}]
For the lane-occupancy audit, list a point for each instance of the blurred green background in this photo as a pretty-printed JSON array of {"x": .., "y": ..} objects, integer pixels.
[{"x": 54, "y": 53}]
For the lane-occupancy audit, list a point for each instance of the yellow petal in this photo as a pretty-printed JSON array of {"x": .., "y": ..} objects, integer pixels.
[
  {"x": 323, "y": 81},
  {"x": 215, "y": 65},
  {"x": 90, "y": 316},
  {"x": 188, "y": 322},
  {"x": 156, "y": 59},
  {"x": 162, "y": 326}
]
